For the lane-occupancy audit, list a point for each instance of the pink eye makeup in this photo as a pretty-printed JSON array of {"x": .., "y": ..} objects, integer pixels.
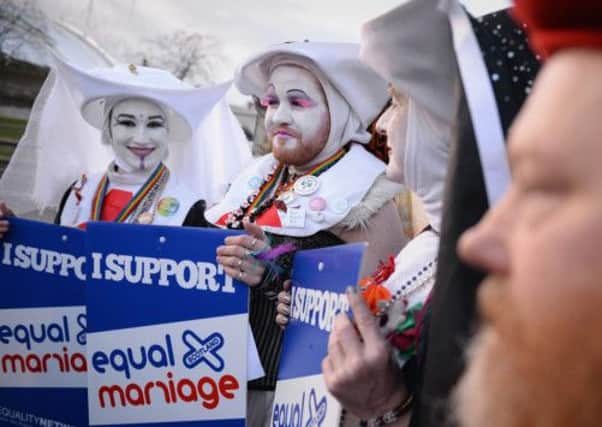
[
  {"x": 294, "y": 97},
  {"x": 302, "y": 102},
  {"x": 298, "y": 98},
  {"x": 269, "y": 101}
]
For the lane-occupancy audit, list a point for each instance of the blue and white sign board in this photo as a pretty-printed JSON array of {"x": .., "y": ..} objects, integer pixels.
[
  {"x": 320, "y": 277},
  {"x": 167, "y": 328},
  {"x": 42, "y": 326}
]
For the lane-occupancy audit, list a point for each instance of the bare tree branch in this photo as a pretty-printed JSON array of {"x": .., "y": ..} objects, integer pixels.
[
  {"x": 190, "y": 56},
  {"x": 21, "y": 22}
]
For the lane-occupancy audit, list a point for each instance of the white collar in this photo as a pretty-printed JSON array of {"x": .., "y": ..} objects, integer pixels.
[{"x": 339, "y": 189}]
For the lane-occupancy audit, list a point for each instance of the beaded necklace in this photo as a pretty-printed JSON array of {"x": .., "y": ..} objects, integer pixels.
[
  {"x": 377, "y": 296},
  {"x": 276, "y": 182},
  {"x": 410, "y": 285}
]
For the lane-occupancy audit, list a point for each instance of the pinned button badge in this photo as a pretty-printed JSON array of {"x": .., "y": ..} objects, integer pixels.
[
  {"x": 317, "y": 204},
  {"x": 145, "y": 218},
  {"x": 319, "y": 217},
  {"x": 340, "y": 206},
  {"x": 306, "y": 185},
  {"x": 168, "y": 206}
]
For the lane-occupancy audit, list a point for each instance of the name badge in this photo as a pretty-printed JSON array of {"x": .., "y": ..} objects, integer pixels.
[{"x": 294, "y": 217}]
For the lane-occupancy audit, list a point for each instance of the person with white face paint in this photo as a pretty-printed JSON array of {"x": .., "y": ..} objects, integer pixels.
[
  {"x": 318, "y": 187},
  {"x": 155, "y": 125},
  {"x": 138, "y": 130}
]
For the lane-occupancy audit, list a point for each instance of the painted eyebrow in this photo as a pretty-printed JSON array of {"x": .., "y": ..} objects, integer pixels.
[
  {"x": 156, "y": 118},
  {"x": 296, "y": 92},
  {"x": 126, "y": 116}
]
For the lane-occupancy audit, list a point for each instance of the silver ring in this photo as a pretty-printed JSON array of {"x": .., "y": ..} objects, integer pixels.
[
  {"x": 241, "y": 274},
  {"x": 253, "y": 242},
  {"x": 239, "y": 263}
]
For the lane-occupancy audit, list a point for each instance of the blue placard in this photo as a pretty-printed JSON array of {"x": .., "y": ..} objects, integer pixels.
[
  {"x": 167, "y": 342},
  {"x": 320, "y": 278},
  {"x": 42, "y": 326}
]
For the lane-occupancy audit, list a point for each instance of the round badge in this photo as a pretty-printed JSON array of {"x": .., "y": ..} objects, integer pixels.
[
  {"x": 168, "y": 206},
  {"x": 145, "y": 218},
  {"x": 317, "y": 204},
  {"x": 319, "y": 217},
  {"x": 340, "y": 206},
  {"x": 306, "y": 185},
  {"x": 254, "y": 182}
]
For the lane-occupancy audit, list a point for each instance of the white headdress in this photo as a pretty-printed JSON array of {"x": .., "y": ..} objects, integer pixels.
[
  {"x": 355, "y": 93},
  {"x": 208, "y": 147},
  {"x": 411, "y": 47}
]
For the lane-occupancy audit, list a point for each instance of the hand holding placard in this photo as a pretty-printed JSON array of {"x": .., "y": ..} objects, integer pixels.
[{"x": 358, "y": 369}]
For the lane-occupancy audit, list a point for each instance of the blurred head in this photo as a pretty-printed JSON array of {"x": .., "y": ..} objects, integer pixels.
[
  {"x": 297, "y": 118},
  {"x": 538, "y": 358},
  {"x": 138, "y": 132},
  {"x": 420, "y": 144},
  {"x": 394, "y": 123}
]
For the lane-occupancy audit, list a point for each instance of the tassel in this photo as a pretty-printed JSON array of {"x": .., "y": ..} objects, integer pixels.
[{"x": 276, "y": 252}]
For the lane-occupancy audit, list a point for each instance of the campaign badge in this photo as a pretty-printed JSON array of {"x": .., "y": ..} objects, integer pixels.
[
  {"x": 168, "y": 206},
  {"x": 306, "y": 185}
]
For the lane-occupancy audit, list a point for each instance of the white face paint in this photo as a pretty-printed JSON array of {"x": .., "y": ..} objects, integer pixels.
[
  {"x": 139, "y": 133},
  {"x": 297, "y": 118},
  {"x": 394, "y": 124}
]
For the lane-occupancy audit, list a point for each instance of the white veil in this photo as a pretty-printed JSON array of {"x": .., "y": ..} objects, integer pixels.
[{"x": 59, "y": 145}]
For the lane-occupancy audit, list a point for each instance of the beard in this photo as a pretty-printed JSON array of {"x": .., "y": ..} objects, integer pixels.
[
  {"x": 300, "y": 149},
  {"x": 521, "y": 377},
  {"x": 292, "y": 152}
]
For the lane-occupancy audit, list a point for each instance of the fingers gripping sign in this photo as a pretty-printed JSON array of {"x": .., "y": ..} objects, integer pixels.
[
  {"x": 283, "y": 305},
  {"x": 5, "y": 212},
  {"x": 236, "y": 255},
  {"x": 256, "y": 240},
  {"x": 359, "y": 370}
]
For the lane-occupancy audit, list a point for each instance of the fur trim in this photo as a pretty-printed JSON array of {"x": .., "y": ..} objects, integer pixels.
[{"x": 382, "y": 191}]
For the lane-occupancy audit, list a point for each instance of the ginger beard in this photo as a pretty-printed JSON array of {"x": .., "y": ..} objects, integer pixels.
[
  {"x": 297, "y": 118},
  {"x": 493, "y": 391},
  {"x": 537, "y": 359},
  {"x": 139, "y": 134}
]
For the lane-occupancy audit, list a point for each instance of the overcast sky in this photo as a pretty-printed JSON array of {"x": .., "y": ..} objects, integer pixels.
[{"x": 241, "y": 26}]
